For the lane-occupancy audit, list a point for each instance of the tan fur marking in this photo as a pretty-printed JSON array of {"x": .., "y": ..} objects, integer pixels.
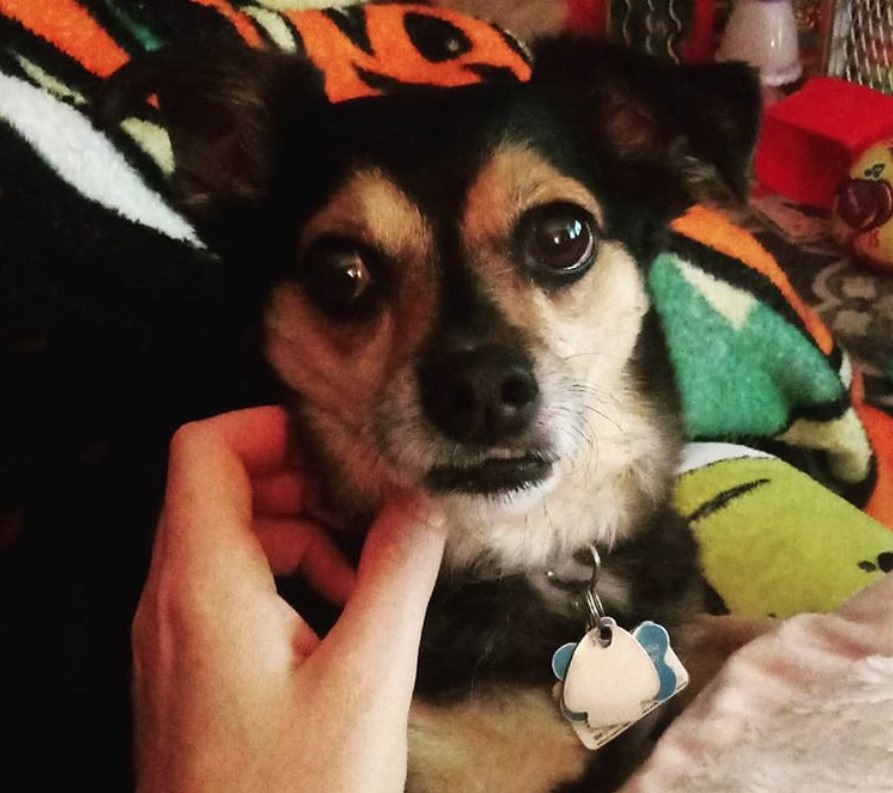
[
  {"x": 515, "y": 179},
  {"x": 341, "y": 366},
  {"x": 492, "y": 743},
  {"x": 370, "y": 208}
]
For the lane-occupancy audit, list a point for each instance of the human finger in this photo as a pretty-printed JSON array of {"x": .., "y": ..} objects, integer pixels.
[
  {"x": 377, "y": 636},
  {"x": 297, "y": 546},
  {"x": 207, "y": 512},
  {"x": 280, "y": 493},
  {"x": 259, "y": 436}
]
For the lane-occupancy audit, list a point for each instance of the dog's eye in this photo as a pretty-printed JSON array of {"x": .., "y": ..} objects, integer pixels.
[
  {"x": 336, "y": 277},
  {"x": 557, "y": 241}
]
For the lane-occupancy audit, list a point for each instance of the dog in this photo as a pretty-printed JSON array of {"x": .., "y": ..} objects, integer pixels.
[{"x": 449, "y": 288}]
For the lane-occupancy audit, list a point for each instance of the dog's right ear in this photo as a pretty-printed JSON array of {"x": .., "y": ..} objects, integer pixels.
[
  {"x": 222, "y": 105},
  {"x": 697, "y": 120}
]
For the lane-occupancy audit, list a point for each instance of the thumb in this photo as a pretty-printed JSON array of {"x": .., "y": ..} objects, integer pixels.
[
  {"x": 403, "y": 551},
  {"x": 379, "y": 630}
]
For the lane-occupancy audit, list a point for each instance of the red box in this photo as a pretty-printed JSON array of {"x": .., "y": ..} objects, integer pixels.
[{"x": 809, "y": 139}]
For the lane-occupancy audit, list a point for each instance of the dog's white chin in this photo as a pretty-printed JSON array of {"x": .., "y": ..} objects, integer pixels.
[{"x": 501, "y": 533}]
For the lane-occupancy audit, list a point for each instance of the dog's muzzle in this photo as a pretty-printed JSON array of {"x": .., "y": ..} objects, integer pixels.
[{"x": 485, "y": 398}]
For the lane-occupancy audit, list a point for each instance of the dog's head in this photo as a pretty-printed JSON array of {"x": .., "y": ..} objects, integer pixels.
[{"x": 451, "y": 281}]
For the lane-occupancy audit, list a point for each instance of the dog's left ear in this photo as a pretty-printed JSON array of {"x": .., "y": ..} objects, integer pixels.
[
  {"x": 688, "y": 118},
  {"x": 223, "y": 105}
]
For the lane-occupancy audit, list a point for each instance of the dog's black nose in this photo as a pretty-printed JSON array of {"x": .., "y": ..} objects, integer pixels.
[{"x": 484, "y": 395}]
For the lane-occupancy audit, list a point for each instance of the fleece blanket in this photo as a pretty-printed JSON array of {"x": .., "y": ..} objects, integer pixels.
[
  {"x": 788, "y": 481},
  {"x": 757, "y": 367},
  {"x": 807, "y": 708}
]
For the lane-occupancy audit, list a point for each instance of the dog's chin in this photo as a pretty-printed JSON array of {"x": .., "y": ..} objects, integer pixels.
[{"x": 494, "y": 488}]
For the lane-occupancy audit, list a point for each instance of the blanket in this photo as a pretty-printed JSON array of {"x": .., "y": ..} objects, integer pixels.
[
  {"x": 807, "y": 708},
  {"x": 107, "y": 294}
]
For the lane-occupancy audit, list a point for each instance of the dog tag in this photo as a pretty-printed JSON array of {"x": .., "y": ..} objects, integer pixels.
[
  {"x": 613, "y": 679},
  {"x": 656, "y": 641},
  {"x": 610, "y": 683}
]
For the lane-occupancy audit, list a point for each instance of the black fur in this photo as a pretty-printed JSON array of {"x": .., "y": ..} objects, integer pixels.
[{"x": 500, "y": 631}]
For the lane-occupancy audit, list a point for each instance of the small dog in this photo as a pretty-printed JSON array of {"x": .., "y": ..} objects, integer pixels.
[{"x": 449, "y": 284}]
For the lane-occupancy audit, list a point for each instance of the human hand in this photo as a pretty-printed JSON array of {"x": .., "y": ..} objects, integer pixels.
[{"x": 233, "y": 691}]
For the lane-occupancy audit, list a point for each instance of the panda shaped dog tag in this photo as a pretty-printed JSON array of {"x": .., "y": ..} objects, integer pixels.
[{"x": 613, "y": 678}]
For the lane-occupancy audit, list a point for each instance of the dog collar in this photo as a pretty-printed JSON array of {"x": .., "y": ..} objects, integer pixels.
[{"x": 370, "y": 50}]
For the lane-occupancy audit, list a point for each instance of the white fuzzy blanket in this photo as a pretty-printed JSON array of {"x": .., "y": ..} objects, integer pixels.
[{"x": 808, "y": 707}]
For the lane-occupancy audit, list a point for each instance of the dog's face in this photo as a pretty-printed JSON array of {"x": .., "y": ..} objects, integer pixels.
[
  {"x": 478, "y": 345},
  {"x": 451, "y": 285}
]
